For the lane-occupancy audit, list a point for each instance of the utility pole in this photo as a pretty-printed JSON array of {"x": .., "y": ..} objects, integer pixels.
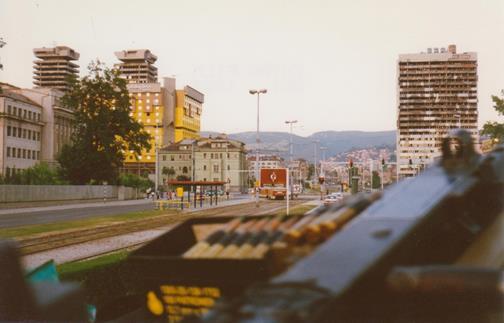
[
  {"x": 290, "y": 123},
  {"x": 256, "y": 185},
  {"x": 157, "y": 160},
  {"x": 315, "y": 142}
]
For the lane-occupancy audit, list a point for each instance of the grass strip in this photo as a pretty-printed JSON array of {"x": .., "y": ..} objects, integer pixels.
[
  {"x": 296, "y": 210},
  {"x": 30, "y": 230},
  {"x": 75, "y": 270}
]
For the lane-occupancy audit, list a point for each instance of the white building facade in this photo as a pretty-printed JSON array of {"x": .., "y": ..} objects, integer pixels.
[
  {"x": 436, "y": 92},
  {"x": 21, "y": 129}
]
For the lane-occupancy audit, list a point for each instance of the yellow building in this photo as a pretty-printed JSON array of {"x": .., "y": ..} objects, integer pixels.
[
  {"x": 167, "y": 114},
  {"x": 150, "y": 106},
  {"x": 188, "y": 114}
]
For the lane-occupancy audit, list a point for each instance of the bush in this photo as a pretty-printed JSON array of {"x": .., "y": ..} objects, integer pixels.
[
  {"x": 40, "y": 174},
  {"x": 132, "y": 180}
]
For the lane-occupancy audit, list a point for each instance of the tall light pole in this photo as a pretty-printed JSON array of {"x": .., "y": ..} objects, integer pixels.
[
  {"x": 258, "y": 92},
  {"x": 323, "y": 150},
  {"x": 315, "y": 142},
  {"x": 290, "y": 123},
  {"x": 156, "y": 133}
]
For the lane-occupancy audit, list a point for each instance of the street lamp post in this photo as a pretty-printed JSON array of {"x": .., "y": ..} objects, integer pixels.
[
  {"x": 323, "y": 189},
  {"x": 315, "y": 142},
  {"x": 289, "y": 122},
  {"x": 258, "y": 92},
  {"x": 157, "y": 159}
]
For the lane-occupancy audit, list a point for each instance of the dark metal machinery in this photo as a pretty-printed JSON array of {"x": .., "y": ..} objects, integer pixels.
[
  {"x": 393, "y": 263},
  {"x": 414, "y": 255}
]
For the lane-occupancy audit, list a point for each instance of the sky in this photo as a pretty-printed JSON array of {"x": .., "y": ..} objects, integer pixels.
[{"x": 331, "y": 65}]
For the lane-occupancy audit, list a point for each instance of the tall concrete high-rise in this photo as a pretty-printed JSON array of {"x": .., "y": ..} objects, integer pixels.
[
  {"x": 137, "y": 65},
  {"x": 54, "y": 66},
  {"x": 436, "y": 92}
]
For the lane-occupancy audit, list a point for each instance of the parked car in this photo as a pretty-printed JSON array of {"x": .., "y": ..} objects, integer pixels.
[
  {"x": 331, "y": 199},
  {"x": 214, "y": 192}
]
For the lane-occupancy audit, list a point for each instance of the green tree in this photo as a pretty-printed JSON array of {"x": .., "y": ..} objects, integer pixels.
[
  {"x": 492, "y": 128},
  {"x": 376, "y": 179},
  {"x": 168, "y": 171},
  {"x": 311, "y": 171},
  {"x": 103, "y": 128},
  {"x": 133, "y": 180}
]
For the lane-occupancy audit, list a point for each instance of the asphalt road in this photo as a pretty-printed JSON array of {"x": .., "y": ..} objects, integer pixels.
[{"x": 21, "y": 217}]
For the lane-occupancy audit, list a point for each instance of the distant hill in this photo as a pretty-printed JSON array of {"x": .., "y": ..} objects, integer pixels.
[{"x": 303, "y": 147}]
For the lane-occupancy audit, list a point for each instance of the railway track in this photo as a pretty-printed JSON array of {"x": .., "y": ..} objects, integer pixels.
[{"x": 63, "y": 239}]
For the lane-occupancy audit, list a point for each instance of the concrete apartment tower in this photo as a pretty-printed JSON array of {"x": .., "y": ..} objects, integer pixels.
[
  {"x": 53, "y": 67},
  {"x": 137, "y": 65},
  {"x": 436, "y": 91}
]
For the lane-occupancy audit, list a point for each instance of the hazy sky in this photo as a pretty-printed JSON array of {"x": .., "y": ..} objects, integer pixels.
[{"x": 329, "y": 64}]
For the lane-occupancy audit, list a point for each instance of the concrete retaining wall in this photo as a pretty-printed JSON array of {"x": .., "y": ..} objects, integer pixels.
[{"x": 32, "y": 193}]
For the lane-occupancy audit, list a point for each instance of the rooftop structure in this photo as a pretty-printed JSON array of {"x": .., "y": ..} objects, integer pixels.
[
  {"x": 54, "y": 66},
  {"x": 137, "y": 65}
]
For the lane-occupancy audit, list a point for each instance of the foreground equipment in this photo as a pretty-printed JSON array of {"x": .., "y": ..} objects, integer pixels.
[
  {"x": 371, "y": 259},
  {"x": 429, "y": 249}
]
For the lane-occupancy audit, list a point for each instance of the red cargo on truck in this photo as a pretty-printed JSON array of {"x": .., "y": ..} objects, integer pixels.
[{"x": 273, "y": 183}]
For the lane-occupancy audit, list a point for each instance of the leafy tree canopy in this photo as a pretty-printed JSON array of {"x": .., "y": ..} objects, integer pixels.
[
  {"x": 103, "y": 131},
  {"x": 495, "y": 129}
]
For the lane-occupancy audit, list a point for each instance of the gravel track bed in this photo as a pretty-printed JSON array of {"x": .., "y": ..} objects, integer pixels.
[{"x": 62, "y": 239}]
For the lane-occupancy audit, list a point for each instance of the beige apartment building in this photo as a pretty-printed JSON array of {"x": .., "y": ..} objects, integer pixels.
[
  {"x": 265, "y": 161},
  {"x": 54, "y": 66},
  {"x": 206, "y": 159},
  {"x": 137, "y": 65},
  {"x": 436, "y": 92},
  {"x": 21, "y": 129},
  {"x": 57, "y": 120}
]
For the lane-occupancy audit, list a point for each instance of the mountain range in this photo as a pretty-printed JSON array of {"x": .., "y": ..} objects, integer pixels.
[{"x": 277, "y": 143}]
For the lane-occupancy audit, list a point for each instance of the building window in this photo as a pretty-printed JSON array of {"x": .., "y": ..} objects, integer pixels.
[
  {"x": 19, "y": 112},
  {"x": 9, "y": 109},
  {"x": 29, "y": 154},
  {"x": 24, "y": 114},
  {"x": 216, "y": 168},
  {"x": 184, "y": 170},
  {"x": 29, "y": 115},
  {"x": 204, "y": 167},
  {"x": 227, "y": 155},
  {"x": 8, "y": 130},
  {"x": 15, "y": 111},
  {"x": 204, "y": 156},
  {"x": 8, "y": 151},
  {"x": 29, "y": 134},
  {"x": 228, "y": 167},
  {"x": 34, "y": 136},
  {"x": 19, "y": 153},
  {"x": 220, "y": 155},
  {"x": 24, "y": 132},
  {"x": 172, "y": 157},
  {"x": 211, "y": 156},
  {"x": 38, "y": 155},
  {"x": 7, "y": 171},
  {"x": 164, "y": 157}
]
